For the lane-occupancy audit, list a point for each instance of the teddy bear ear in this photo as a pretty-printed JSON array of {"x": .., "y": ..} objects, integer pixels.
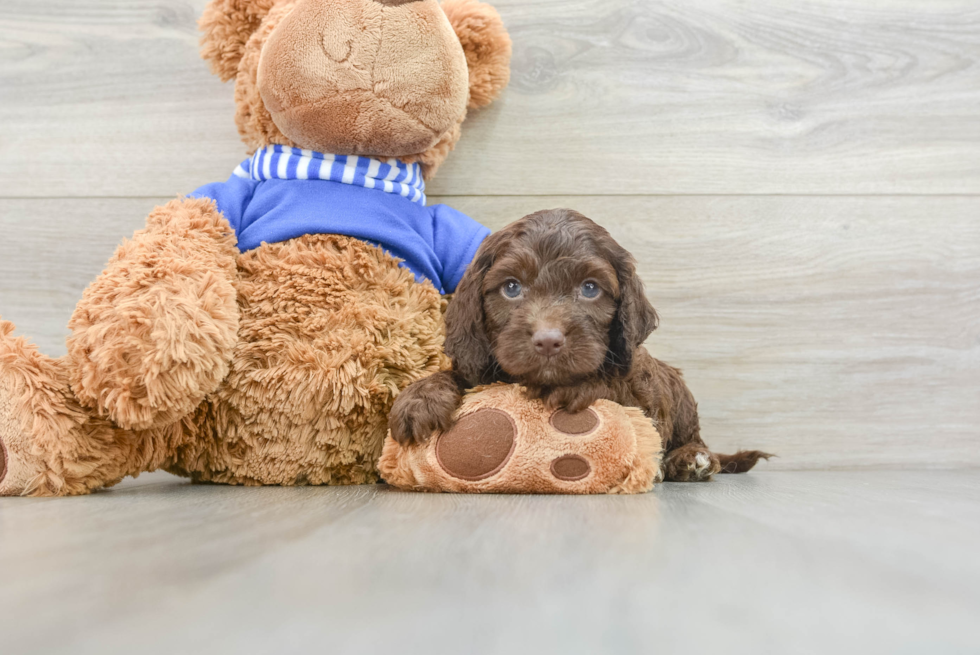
[
  {"x": 486, "y": 44},
  {"x": 227, "y": 26}
]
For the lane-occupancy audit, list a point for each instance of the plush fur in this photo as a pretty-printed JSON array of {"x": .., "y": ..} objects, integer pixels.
[
  {"x": 487, "y": 47},
  {"x": 330, "y": 329},
  {"x": 279, "y": 365},
  {"x": 154, "y": 333},
  {"x": 623, "y": 451},
  {"x": 351, "y": 96}
]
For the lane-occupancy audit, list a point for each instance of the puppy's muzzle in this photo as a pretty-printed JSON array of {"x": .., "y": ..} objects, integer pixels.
[{"x": 548, "y": 342}]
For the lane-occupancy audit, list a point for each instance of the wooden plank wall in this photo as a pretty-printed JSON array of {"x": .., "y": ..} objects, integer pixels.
[{"x": 800, "y": 182}]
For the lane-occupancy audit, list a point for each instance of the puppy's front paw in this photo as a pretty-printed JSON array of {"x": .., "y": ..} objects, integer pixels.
[
  {"x": 425, "y": 407},
  {"x": 572, "y": 399},
  {"x": 416, "y": 422},
  {"x": 690, "y": 463}
]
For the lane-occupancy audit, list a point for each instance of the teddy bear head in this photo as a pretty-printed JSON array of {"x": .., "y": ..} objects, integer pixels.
[{"x": 383, "y": 78}]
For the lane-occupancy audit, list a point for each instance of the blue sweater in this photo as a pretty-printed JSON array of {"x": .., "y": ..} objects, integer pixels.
[{"x": 282, "y": 193}]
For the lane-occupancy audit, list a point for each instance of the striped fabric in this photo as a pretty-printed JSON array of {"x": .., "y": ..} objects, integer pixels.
[{"x": 285, "y": 163}]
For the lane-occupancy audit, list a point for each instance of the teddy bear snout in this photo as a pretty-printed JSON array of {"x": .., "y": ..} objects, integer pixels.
[{"x": 364, "y": 77}]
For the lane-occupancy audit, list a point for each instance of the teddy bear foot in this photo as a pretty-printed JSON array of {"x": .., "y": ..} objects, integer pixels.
[
  {"x": 19, "y": 470},
  {"x": 503, "y": 442}
]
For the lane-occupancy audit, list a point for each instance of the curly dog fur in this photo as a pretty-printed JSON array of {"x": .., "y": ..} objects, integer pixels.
[{"x": 553, "y": 303}]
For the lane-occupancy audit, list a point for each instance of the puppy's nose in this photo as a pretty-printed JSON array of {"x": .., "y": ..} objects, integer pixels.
[{"x": 548, "y": 342}]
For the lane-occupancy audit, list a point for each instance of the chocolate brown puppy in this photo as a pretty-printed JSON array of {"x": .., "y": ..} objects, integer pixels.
[{"x": 554, "y": 303}]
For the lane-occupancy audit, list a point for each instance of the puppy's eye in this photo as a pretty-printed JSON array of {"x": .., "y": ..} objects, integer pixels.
[
  {"x": 590, "y": 289},
  {"x": 512, "y": 289}
]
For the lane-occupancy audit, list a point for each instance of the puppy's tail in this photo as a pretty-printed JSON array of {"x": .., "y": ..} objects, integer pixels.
[{"x": 741, "y": 461}]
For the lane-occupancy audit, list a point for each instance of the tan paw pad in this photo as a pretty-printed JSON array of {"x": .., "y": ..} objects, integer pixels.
[{"x": 478, "y": 445}]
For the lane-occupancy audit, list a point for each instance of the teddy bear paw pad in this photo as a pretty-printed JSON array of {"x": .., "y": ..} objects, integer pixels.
[
  {"x": 3, "y": 462},
  {"x": 478, "y": 446},
  {"x": 579, "y": 423},
  {"x": 8, "y": 425},
  {"x": 16, "y": 471},
  {"x": 570, "y": 468}
]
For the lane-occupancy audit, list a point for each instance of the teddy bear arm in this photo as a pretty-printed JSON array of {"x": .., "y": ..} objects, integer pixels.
[{"x": 154, "y": 333}]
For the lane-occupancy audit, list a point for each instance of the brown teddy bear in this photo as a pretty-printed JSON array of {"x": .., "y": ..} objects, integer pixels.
[{"x": 257, "y": 331}]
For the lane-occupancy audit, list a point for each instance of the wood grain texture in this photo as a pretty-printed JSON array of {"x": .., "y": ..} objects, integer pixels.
[
  {"x": 835, "y": 332},
  {"x": 50, "y": 250},
  {"x": 109, "y": 98},
  {"x": 801, "y": 562}
]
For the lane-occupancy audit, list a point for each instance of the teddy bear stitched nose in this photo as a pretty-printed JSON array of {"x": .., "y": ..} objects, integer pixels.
[{"x": 394, "y": 3}]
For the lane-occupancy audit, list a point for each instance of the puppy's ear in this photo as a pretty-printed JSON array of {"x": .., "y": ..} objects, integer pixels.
[
  {"x": 467, "y": 342},
  {"x": 486, "y": 44},
  {"x": 635, "y": 317},
  {"x": 227, "y": 26}
]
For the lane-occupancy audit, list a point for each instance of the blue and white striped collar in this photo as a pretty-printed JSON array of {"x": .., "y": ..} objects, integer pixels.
[{"x": 285, "y": 163}]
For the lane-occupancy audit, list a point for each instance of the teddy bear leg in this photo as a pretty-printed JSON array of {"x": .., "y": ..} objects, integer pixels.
[
  {"x": 19, "y": 467},
  {"x": 50, "y": 445},
  {"x": 154, "y": 333}
]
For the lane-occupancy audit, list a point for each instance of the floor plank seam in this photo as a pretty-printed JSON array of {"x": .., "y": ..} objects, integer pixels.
[{"x": 577, "y": 195}]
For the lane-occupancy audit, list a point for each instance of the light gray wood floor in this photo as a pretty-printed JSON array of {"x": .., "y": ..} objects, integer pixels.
[{"x": 771, "y": 562}]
